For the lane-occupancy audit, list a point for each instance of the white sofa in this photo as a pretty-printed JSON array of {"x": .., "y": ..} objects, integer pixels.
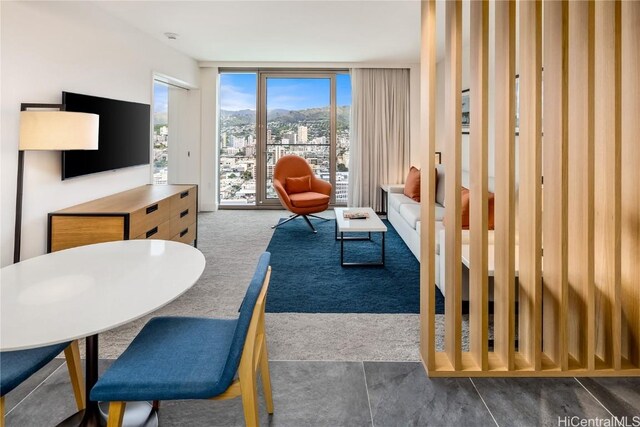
[{"x": 404, "y": 214}]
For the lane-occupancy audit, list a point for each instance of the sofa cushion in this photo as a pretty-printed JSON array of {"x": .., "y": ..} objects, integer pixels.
[
  {"x": 412, "y": 184},
  {"x": 410, "y": 213},
  {"x": 437, "y": 228},
  {"x": 440, "y": 185},
  {"x": 397, "y": 199},
  {"x": 309, "y": 199}
]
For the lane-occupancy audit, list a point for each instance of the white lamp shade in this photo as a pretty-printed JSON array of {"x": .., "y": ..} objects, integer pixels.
[{"x": 58, "y": 130}]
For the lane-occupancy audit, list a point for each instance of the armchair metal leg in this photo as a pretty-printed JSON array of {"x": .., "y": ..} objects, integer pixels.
[
  {"x": 285, "y": 221},
  {"x": 309, "y": 222},
  {"x": 319, "y": 217}
]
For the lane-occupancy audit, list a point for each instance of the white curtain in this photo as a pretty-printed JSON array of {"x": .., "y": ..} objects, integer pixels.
[{"x": 379, "y": 150}]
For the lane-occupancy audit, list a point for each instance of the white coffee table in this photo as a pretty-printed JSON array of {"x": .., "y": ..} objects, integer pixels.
[
  {"x": 80, "y": 292},
  {"x": 372, "y": 224}
]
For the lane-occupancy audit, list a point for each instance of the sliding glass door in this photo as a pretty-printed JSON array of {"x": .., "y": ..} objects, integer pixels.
[
  {"x": 297, "y": 119},
  {"x": 296, "y": 113}
]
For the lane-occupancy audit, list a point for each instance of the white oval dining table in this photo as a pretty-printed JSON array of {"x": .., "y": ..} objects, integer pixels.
[{"x": 81, "y": 292}]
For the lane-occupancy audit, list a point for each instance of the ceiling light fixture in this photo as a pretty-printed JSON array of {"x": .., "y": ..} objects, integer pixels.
[{"x": 172, "y": 36}]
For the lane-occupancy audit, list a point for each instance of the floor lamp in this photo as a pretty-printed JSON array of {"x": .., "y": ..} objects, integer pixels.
[{"x": 47, "y": 127}]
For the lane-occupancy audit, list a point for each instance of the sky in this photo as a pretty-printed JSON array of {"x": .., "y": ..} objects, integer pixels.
[
  {"x": 238, "y": 92},
  {"x": 160, "y": 97}
]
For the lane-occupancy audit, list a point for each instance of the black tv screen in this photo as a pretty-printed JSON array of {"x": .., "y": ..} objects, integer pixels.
[{"x": 124, "y": 136}]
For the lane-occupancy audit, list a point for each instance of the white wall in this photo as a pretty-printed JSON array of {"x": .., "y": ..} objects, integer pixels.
[
  {"x": 466, "y": 69},
  {"x": 48, "y": 47}
]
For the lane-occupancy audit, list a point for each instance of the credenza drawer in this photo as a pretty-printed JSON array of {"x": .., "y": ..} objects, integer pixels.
[
  {"x": 183, "y": 200},
  {"x": 148, "y": 217},
  {"x": 161, "y": 232},
  {"x": 186, "y": 235},
  {"x": 69, "y": 231},
  {"x": 182, "y": 220}
]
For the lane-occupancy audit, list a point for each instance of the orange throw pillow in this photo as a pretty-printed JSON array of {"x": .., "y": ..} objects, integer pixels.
[
  {"x": 491, "y": 215},
  {"x": 464, "y": 209},
  {"x": 412, "y": 184},
  {"x": 298, "y": 185}
]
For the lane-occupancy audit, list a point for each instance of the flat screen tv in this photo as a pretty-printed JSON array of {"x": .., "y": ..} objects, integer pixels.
[{"x": 124, "y": 137}]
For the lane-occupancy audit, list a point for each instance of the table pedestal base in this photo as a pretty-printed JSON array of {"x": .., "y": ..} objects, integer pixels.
[
  {"x": 136, "y": 414},
  {"x": 139, "y": 414}
]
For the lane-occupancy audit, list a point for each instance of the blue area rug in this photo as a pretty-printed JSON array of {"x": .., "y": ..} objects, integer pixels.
[{"x": 307, "y": 277}]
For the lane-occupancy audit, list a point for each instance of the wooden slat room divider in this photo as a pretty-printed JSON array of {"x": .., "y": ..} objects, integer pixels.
[{"x": 566, "y": 244}]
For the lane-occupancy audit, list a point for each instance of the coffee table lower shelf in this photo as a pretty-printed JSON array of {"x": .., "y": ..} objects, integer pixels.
[{"x": 372, "y": 224}]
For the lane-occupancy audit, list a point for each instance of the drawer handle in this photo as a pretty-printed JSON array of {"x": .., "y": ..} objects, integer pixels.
[
  {"x": 152, "y": 208},
  {"x": 183, "y": 232},
  {"x": 151, "y": 232},
  {"x": 184, "y": 213},
  {"x": 184, "y": 194}
]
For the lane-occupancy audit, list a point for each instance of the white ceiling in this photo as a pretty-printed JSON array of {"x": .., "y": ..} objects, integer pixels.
[{"x": 281, "y": 31}]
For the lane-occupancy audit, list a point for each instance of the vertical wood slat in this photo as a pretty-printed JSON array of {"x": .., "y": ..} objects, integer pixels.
[
  {"x": 580, "y": 183},
  {"x": 530, "y": 160},
  {"x": 607, "y": 182},
  {"x": 478, "y": 215},
  {"x": 504, "y": 278},
  {"x": 452, "y": 151},
  {"x": 630, "y": 187},
  {"x": 428, "y": 136},
  {"x": 554, "y": 220}
]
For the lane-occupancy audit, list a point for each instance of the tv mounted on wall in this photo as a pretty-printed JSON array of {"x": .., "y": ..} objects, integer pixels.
[{"x": 124, "y": 137}]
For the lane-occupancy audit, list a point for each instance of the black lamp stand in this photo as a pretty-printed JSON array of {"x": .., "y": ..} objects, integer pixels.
[{"x": 18, "y": 225}]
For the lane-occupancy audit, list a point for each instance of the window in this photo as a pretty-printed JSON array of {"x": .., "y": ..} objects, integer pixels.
[
  {"x": 266, "y": 115},
  {"x": 160, "y": 132}
]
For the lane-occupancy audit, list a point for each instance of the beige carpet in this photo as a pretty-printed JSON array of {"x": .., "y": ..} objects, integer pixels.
[{"x": 231, "y": 242}]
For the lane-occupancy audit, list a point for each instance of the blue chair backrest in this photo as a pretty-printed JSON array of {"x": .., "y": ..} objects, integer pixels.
[{"x": 246, "y": 312}]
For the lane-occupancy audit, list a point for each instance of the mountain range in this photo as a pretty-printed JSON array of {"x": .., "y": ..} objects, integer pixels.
[{"x": 248, "y": 117}]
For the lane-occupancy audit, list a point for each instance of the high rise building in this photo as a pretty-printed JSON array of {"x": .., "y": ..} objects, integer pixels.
[
  {"x": 302, "y": 134},
  {"x": 290, "y": 136}
]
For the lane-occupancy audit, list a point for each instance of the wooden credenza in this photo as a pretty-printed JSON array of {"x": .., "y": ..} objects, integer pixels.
[{"x": 167, "y": 212}]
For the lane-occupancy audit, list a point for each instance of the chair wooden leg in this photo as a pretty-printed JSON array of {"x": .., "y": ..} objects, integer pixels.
[
  {"x": 116, "y": 414},
  {"x": 2, "y": 411},
  {"x": 266, "y": 376},
  {"x": 72, "y": 355},
  {"x": 156, "y": 405},
  {"x": 249, "y": 394}
]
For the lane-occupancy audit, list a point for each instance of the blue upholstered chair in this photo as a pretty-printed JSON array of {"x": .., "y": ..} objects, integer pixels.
[
  {"x": 177, "y": 358},
  {"x": 17, "y": 366}
]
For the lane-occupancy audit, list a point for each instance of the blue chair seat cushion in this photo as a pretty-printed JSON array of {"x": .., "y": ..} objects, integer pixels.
[
  {"x": 17, "y": 366},
  {"x": 172, "y": 358}
]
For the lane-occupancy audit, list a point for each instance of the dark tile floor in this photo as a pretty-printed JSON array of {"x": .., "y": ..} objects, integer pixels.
[{"x": 365, "y": 394}]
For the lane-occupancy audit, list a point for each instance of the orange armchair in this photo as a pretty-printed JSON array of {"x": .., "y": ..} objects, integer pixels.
[{"x": 299, "y": 190}]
